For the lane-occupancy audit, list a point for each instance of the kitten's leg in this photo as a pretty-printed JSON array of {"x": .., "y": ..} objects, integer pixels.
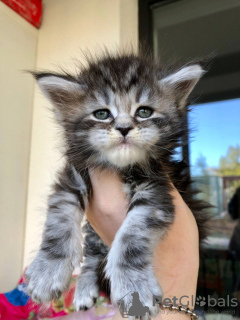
[
  {"x": 130, "y": 260},
  {"x": 61, "y": 249},
  {"x": 87, "y": 288}
]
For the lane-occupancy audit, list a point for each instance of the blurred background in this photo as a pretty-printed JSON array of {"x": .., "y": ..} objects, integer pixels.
[{"x": 36, "y": 35}]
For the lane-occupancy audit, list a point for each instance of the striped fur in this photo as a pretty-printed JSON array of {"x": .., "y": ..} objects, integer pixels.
[{"x": 140, "y": 150}]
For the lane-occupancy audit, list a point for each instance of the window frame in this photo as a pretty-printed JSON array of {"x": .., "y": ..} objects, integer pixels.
[
  {"x": 145, "y": 31},
  {"x": 214, "y": 66}
]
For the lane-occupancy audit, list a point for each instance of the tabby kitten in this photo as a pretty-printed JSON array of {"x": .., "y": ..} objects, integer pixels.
[{"x": 125, "y": 113}]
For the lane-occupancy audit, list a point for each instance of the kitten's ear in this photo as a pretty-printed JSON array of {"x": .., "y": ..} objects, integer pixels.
[
  {"x": 64, "y": 92},
  {"x": 181, "y": 83}
]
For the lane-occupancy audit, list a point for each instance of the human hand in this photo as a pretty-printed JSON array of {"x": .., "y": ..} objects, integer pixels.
[{"x": 176, "y": 260}]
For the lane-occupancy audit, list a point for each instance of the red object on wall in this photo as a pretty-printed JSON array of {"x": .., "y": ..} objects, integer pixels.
[{"x": 31, "y": 10}]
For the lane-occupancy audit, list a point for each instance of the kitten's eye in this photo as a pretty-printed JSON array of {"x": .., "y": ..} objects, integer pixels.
[
  {"x": 144, "y": 112},
  {"x": 102, "y": 114}
]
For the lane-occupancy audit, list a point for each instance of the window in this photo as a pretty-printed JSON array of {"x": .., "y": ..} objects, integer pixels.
[
  {"x": 181, "y": 31},
  {"x": 215, "y": 162}
]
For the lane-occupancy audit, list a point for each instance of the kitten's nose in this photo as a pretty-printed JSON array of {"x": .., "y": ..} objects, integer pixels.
[{"x": 124, "y": 131}]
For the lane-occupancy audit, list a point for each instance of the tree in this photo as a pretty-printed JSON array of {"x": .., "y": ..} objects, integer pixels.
[
  {"x": 230, "y": 164},
  {"x": 201, "y": 165}
]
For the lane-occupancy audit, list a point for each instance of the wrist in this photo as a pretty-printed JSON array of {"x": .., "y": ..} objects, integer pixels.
[
  {"x": 172, "y": 315},
  {"x": 163, "y": 315}
]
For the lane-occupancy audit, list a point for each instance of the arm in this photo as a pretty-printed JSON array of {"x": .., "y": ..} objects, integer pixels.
[{"x": 178, "y": 269}]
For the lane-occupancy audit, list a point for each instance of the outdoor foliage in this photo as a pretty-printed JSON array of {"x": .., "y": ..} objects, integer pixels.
[{"x": 229, "y": 165}]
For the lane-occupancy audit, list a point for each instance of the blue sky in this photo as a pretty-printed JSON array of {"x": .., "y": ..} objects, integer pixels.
[{"x": 215, "y": 126}]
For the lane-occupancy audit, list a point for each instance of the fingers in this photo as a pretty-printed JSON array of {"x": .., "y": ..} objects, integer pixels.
[{"x": 108, "y": 206}]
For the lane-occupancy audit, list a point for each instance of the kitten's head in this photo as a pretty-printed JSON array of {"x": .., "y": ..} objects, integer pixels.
[{"x": 120, "y": 110}]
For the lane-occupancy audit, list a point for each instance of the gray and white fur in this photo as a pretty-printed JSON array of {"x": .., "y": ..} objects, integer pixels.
[{"x": 126, "y": 113}]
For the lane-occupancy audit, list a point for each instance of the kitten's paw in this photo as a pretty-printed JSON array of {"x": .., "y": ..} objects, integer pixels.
[
  {"x": 87, "y": 292},
  {"x": 133, "y": 292},
  {"x": 47, "y": 279}
]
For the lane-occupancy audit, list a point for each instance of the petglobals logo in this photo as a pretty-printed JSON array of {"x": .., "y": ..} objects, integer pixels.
[
  {"x": 131, "y": 305},
  {"x": 200, "y": 301}
]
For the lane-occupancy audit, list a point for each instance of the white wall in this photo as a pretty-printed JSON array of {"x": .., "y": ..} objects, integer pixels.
[
  {"x": 68, "y": 27},
  {"x": 18, "y": 41}
]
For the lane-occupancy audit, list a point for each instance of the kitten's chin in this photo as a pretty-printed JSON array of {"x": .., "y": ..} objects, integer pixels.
[{"x": 125, "y": 156}]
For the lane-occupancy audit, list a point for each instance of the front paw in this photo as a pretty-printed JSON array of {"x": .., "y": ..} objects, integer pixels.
[
  {"x": 87, "y": 291},
  {"x": 47, "y": 279},
  {"x": 133, "y": 291}
]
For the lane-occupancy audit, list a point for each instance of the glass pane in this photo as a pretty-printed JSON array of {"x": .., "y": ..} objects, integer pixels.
[
  {"x": 187, "y": 29},
  {"x": 215, "y": 163},
  {"x": 182, "y": 31}
]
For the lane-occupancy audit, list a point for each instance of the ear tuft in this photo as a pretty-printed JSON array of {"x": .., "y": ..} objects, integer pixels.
[
  {"x": 194, "y": 72},
  {"x": 58, "y": 89},
  {"x": 63, "y": 91},
  {"x": 182, "y": 82}
]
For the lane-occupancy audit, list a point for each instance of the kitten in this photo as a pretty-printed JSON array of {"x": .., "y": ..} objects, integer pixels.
[{"x": 125, "y": 113}]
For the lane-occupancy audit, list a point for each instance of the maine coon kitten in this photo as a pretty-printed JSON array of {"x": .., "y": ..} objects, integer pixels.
[{"x": 125, "y": 113}]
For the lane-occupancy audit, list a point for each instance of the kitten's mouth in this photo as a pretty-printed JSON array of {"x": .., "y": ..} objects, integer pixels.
[{"x": 124, "y": 143}]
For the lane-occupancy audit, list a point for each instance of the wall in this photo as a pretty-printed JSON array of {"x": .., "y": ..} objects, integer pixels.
[
  {"x": 68, "y": 27},
  {"x": 18, "y": 42}
]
